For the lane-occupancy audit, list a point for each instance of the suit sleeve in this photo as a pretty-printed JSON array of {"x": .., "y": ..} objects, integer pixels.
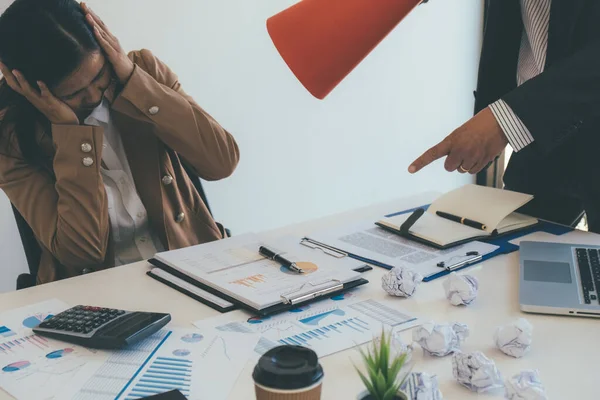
[
  {"x": 154, "y": 95},
  {"x": 556, "y": 104},
  {"x": 70, "y": 215}
]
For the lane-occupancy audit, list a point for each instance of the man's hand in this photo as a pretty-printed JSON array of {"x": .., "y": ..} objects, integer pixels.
[
  {"x": 122, "y": 65},
  {"x": 470, "y": 148}
]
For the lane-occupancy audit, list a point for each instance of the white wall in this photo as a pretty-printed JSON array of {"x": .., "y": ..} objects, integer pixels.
[{"x": 302, "y": 157}]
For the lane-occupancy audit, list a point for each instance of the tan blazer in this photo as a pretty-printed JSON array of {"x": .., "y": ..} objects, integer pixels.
[{"x": 65, "y": 202}]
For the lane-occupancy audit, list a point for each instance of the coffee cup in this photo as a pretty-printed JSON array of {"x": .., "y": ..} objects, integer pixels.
[{"x": 288, "y": 373}]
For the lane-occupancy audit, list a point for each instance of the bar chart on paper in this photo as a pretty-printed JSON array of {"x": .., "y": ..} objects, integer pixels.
[
  {"x": 162, "y": 375},
  {"x": 326, "y": 327},
  {"x": 184, "y": 360}
]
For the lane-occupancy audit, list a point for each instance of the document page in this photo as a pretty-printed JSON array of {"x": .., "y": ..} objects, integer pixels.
[
  {"x": 327, "y": 327},
  {"x": 366, "y": 240},
  {"x": 233, "y": 267}
]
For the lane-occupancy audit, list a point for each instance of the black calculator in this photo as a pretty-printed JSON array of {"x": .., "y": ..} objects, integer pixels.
[{"x": 102, "y": 328}]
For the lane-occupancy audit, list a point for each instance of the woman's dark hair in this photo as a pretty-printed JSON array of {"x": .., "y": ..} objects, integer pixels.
[{"x": 46, "y": 40}]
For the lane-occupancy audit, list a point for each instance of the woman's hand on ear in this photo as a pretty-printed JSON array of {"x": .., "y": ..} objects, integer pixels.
[
  {"x": 122, "y": 65},
  {"x": 55, "y": 110}
]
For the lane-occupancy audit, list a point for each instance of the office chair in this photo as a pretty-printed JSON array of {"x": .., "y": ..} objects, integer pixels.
[{"x": 33, "y": 252}]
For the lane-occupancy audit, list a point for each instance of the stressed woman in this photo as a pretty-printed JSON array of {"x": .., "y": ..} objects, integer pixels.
[{"x": 93, "y": 143}]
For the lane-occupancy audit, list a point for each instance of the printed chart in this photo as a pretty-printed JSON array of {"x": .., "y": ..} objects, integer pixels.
[
  {"x": 34, "y": 367},
  {"x": 170, "y": 367},
  {"x": 327, "y": 327}
]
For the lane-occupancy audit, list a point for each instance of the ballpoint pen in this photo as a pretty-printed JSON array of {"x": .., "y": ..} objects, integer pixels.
[
  {"x": 271, "y": 255},
  {"x": 461, "y": 220}
]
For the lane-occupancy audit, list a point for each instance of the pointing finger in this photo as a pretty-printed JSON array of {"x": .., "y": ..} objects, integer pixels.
[{"x": 436, "y": 152}]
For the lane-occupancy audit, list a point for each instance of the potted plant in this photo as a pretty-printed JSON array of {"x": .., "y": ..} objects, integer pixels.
[{"x": 383, "y": 370}]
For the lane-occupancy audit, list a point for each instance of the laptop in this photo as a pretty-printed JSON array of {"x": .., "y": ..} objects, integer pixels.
[{"x": 559, "y": 278}]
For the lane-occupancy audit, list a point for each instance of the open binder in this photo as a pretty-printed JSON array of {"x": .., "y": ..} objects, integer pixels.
[{"x": 232, "y": 272}]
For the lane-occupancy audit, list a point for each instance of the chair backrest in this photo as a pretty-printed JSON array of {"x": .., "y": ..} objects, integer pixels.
[{"x": 33, "y": 252}]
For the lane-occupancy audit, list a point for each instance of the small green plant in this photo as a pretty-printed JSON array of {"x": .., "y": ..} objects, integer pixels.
[{"x": 382, "y": 381}]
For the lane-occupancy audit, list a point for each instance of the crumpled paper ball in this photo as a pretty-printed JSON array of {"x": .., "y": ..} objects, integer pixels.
[
  {"x": 440, "y": 340},
  {"x": 525, "y": 386},
  {"x": 461, "y": 289},
  {"x": 476, "y": 372},
  {"x": 514, "y": 339},
  {"x": 421, "y": 386},
  {"x": 401, "y": 282}
]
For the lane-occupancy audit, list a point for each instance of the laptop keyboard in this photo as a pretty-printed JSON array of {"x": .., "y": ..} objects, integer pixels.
[{"x": 588, "y": 261}]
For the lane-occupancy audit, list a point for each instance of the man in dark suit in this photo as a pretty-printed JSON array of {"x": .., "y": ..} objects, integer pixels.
[{"x": 539, "y": 91}]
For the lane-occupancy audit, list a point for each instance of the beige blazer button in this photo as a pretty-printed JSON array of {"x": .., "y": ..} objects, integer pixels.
[
  {"x": 88, "y": 161},
  {"x": 86, "y": 147},
  {"x": 167, "y": 180},
  {"x": 153, "y": 110},
  {"x": 180, "y": 217}
]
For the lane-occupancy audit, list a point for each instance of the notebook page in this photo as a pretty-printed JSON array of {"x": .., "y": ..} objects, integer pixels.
[
  {"x": 480, "y": 203},
  {"x": 435, "y": 229}
]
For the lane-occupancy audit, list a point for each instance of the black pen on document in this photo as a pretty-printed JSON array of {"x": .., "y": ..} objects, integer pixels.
[
  {"x": 271, "y": 255},
  {"x": 461, "y": 220}
]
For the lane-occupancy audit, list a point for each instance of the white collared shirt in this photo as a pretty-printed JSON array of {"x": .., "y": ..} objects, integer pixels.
[
  {"x": 532, "y": 60},
  {"x": 132, "y": 236}
]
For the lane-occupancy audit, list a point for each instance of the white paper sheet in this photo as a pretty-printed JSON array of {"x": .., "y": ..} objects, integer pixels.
[
  {"x": 33, "y": 367},
  {"x": 369, "y": 241},
  {"x": 326, "y": 327},
  {"x": 201, "y": 365}
]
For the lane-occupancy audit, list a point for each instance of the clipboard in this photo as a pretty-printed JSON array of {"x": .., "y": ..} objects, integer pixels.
[
  {"x": 176, "y": 280},
  {"x": 289, "y": 300}
]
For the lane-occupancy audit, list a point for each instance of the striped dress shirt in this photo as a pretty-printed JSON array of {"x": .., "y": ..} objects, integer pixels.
[{"x": 532, "y": 57}]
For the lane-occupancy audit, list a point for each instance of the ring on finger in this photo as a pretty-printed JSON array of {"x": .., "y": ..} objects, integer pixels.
[{"x": 462, "y": 169}]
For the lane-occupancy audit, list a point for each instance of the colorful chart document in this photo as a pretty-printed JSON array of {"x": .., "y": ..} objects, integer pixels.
[
  {"x": 201, "y": 364},
  {"x": 327, "y": 327},
  {"x": 33, "y": 367}
]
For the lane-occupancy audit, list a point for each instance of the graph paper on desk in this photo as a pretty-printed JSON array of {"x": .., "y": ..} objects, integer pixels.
[
  {"x": 327, "y": 327},
  {"x": 33, "y": 367},
  {"x": 182, "y": 359}
]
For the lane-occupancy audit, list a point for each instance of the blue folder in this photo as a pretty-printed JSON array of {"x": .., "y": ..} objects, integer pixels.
[{"x": 503, "y": 243}]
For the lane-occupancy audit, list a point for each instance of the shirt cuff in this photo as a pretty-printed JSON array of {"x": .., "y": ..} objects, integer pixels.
[{"x": 515, "y": 130}]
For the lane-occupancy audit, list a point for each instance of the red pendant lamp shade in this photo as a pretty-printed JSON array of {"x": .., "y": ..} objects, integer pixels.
[{"x": 323, "y": 40}]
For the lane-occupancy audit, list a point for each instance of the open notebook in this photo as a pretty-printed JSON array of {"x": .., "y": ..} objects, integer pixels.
[{"x": 493, "y": 208}]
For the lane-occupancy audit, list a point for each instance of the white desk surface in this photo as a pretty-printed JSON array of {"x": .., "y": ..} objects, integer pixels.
[{"x": 565, "y": 349}]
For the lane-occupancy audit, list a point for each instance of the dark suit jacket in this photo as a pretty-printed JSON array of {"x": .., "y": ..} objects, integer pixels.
[{"x": 560, "y": 107}]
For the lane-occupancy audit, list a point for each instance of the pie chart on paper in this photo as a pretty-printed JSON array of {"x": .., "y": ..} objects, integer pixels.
[
  {"x": 192, "y": 338},
  {"x": 16, "y": 366},
  {"x": 36, "y": 319},
  {"x": 59, "y": 353}
]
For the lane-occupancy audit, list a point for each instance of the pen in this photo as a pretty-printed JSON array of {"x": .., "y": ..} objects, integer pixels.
[
  {"x": 271, "y": 255},
  {"x": 475, "y": 256},
  {"x": 461, "y": 220}
]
